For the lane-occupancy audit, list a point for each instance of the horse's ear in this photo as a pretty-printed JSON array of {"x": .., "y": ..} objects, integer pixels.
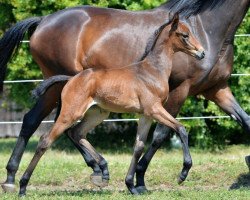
[{"x": 175, "y": 22}]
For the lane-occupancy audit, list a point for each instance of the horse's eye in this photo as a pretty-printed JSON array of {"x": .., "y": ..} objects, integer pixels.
[{"x": 185, "y": 35}]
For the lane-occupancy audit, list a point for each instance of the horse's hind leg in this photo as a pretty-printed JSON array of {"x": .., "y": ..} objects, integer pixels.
[
  {"x": 223, "y": 97},
  {"x": 92, "y": 118},
  {"x": 71, "y": 112},
  {"x": 31, "y": 121}
]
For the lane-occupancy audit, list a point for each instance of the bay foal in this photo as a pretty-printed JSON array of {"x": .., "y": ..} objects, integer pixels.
[{"x": 141, "y": 88}]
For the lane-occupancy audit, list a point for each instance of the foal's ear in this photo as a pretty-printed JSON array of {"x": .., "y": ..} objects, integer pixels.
[{"x": 175, "y": 22}]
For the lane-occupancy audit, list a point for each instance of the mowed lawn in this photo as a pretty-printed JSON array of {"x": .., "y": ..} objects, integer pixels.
[{"x": 64, "y": 175}]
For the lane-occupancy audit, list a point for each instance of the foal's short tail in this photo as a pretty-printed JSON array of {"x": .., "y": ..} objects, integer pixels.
[
  {"x": 11, "y": 41},
  {"x": 46, "y": 84}
]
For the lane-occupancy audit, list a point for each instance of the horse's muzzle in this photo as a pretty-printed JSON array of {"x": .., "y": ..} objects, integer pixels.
[{"x": 200, "y": 54}]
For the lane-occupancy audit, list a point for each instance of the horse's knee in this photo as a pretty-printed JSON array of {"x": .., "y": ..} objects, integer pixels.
[{"x": 44, "y": 143}]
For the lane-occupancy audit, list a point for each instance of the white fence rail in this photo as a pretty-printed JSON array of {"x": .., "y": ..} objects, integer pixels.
[{"x": 112, "y": 120}]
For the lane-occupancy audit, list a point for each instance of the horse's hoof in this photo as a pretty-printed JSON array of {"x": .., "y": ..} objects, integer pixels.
[
  {"x": 141, "y": 189},
  {"x": 9, "y": 188},
  {"x": 105, "y": 182},
  {"x": 96, "y": 180},
  {"x": 180, "y": 181},
  {"x": 21, "y": 195},
  {"x": 247, "y": 159}
]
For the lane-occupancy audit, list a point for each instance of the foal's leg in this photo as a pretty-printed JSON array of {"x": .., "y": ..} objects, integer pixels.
[
  {"x": 71, "y": 112},
  {"x": 31, "y": 121},
  {"x": 97, "y": 177},
  {"x": 92, "y": 118},
  {"x": 174, "y": 103},
  {"x": 162, "y": 116},
  {"x": 224, "y": 98},
  {"x": 141, "y": 137}
]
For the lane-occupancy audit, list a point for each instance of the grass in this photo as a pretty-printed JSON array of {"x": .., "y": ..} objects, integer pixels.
[{"x": 64, "y": 175}]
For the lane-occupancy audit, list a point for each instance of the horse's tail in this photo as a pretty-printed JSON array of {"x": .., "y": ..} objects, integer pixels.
[
  {"x": 46, "y": 84},
  {"x": 11, "y": 41}
]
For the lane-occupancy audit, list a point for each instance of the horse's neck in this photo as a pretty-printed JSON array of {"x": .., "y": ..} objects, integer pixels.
[{"x": 221, "y": 23}]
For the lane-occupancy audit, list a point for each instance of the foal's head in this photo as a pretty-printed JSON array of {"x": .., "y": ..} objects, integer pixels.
[{"x": 183, "y": 40}]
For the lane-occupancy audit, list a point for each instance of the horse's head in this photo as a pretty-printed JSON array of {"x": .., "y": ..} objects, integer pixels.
[{"x": 183, "y": 40}]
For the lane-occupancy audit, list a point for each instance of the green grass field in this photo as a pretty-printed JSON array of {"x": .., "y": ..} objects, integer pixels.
[{"x": 64, "y": 175}]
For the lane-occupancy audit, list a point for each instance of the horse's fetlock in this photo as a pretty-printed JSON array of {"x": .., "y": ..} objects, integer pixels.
[
  {"x": 188, "y": 164},
  {"x": 24, "y": 181},
  {"x": 129, "y": 180}
]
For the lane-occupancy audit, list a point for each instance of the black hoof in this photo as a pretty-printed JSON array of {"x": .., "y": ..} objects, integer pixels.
[
  {"x": 247, "y": 159},
  {"x": 141, "y": 189},
  {"x": 180, "y": 180},
  {"x": 133, "y": 191},
  {"x": 22, "y": 195}
]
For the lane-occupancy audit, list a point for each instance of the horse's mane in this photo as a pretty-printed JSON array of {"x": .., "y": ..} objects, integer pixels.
[
  {"x": 153, "y": 39},
  {"x": 191, "y": 7}
]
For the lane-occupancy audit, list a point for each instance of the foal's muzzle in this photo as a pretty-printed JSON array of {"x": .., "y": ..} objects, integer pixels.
[{"x": 200, "y": 54}]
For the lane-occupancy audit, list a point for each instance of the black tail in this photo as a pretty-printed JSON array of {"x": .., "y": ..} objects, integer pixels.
[
  {"x": 11, "y": 41},
  {"x": 46, "y": 84}
]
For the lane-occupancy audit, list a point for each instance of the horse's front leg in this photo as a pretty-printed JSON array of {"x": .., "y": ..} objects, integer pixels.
[
  {"x": 92, "y": 118},
  {"x": 173, "y": 105},
  {"x": 144, "y": 125},
  {"x": 224, "y": 98}
]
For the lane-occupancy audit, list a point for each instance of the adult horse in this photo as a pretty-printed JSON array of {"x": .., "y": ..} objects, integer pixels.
[{"x": 73, "y": 39}]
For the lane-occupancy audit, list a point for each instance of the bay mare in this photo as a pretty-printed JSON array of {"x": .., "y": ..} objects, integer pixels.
[
  {"x": 77, "y": 38},
  {"x": 141, "y": 88}
]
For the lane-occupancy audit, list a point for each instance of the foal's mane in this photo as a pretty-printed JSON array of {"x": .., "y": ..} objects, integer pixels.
[
  {"x": 153, "y": 39},
  {"x": 191, "y": 7}
]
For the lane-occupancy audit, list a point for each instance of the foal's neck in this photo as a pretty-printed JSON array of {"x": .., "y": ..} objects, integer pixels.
[{"x": 160, "y": 58}]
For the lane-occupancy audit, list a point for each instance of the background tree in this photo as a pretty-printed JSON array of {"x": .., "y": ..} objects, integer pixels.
[{"x": 213, "y": 133}]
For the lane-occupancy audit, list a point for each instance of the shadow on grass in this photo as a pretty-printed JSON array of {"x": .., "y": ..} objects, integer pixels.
[
  {"x": 243, "y": 181},
  {"x": 81, "y": 193}
]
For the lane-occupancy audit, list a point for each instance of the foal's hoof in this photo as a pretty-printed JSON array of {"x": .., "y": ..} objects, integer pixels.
[
  {"x": 247, "y": 159},
  {"x": 98, "y": 181},
  {"x": 141, "y": 189},
  {"x": 105, "y": 182},
  {"x": 9, "y": 188},
  {"x": 180, "y": 181}
]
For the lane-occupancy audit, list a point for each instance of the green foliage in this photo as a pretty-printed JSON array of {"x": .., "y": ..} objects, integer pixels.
[{"x": 203, "y": 133}]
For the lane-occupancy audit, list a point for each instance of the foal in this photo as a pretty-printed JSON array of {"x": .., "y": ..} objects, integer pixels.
[{"x": 141, "y": 88}]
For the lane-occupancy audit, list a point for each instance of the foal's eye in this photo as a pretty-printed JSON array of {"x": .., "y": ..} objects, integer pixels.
[{"x": 185, "y": 35}]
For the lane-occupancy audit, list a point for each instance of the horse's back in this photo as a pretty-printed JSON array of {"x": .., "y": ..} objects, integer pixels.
[{"x": 76, "y": 38}]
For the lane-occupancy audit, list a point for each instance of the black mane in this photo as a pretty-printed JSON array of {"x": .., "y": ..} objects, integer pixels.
[
  {"x": 191, "y": 7},
  {"x": 153, "y": 39}
]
